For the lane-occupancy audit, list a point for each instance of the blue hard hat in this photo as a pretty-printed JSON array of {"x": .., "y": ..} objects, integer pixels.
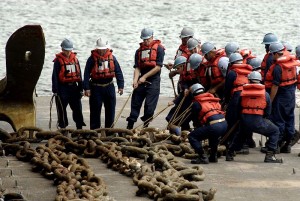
[
  {"x": 231, "y": 47},
  {"x": 146, "y": 33},
  {"x": 254, "y": 75},
  {"x": 207, "y": 47},
  {"x": 195, "y": 60},
  {"x": 276, "y": 47},
  {"x": 186, "y": 32},
  {"x": 67, "y": 44},
  {"x": 255, "y": 63},
  {"x": 192, "y": 43},
  {"x": 270, "y": 38},
  {"x": 235, "y": 57},
  {"x": 179, "y": 60}
]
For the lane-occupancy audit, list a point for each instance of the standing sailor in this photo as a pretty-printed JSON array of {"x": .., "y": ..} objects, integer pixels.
[
  {"x": 101, "y": 67},
  {"x": 146, "y": 79},
  {"x": 67, "y": 85}
]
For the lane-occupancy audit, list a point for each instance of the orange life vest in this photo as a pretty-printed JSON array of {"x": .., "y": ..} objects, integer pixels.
[
  {"x": 288, "y": 65},
  {"x": 242, "y": 72},
  {"x": 213, "y": 70},
  {"x": 104, "y": 65},
  {"x": 182, "y": 51},
  {"x": 210, "y": 106},
  {"x": 147, "y": 55},
  {"x": 246, "y": 54},
  {"x": 253, "y": 99},
  {"x": 69, "y": 68},
  {"x": 201, "y": 72}
]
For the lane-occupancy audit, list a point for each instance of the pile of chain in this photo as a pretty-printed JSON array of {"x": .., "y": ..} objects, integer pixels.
[
  {"x": 146, "y": 155},
  {"x": 72, "y": 175}
]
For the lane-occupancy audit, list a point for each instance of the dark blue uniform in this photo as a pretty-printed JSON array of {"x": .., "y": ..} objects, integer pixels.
[
  {"x": 232, "y": 113},
  {"x": 283, "y": 107},
  {"x": 268, "y": 65},
  {"x": 211, "y": 132},
  {"x": 148, "y": 91},
  {"x": 102, "y": 92},
  {"x": 68, "y": 94},
  {"x": 258, "y": 124}
]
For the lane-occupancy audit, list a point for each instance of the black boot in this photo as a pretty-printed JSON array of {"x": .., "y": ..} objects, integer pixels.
[
  {"x": 202, "y": 159},
  {"x": 295, "y": 138},
  {"x": 130, "y": 125},
  {"x": 286, "y": 148},
  {"x": 229, "y": 155},
  {"x": 213, "y": 158},
  {"x": 270, "y": 158}
]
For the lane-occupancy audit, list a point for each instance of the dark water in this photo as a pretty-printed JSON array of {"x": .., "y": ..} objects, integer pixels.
[{"x": 120, "y": 22}]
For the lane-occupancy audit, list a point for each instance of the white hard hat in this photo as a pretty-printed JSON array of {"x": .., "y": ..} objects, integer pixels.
[
  {"x": 102, "y": 44},
  {"x": 223, "y": 65}
]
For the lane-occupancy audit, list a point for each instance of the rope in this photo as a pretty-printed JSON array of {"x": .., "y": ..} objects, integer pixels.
[
  {"x": 153, "y": 117},
  {"x": 182, "y": 116},
  {"x": 165, "y": 139},
  {"x": 119, "y": 114},
  {"x": 51, "y": 103},
  {"x": 172, "y": 81},
  {"x": 186, "y": 113},
  {"x": 58, "y": 101},
  {"x": 229, "y": 132},
  {"x": 175, "y": 113}
]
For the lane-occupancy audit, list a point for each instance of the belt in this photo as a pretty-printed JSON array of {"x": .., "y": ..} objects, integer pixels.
[
  {"x": 216, "y": 121},
  {"x": 70, "y": 83},
  {"x": 102, "y": 85}
]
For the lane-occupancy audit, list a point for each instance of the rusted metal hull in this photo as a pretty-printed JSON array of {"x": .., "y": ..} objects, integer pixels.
[{"x": 25, "y": 54}]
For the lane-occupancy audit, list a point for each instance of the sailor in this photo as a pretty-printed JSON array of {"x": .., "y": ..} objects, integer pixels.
[
  {"x": 185, "y": 34},
  {"x": 188, "y": 76},
  {"x": 235, "y": 79},
  {"x": 146, "y": 79},
  {"x": 268, "y": 39},
  {"x": 100, "y": 70},
  {"x": 211, "y": 75},
  {"x": 282, "y": 75},
  {"x": 67, "y": 85},
  {"x": 211, "y": 124},
  {"x": 255, "y": 108}
]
